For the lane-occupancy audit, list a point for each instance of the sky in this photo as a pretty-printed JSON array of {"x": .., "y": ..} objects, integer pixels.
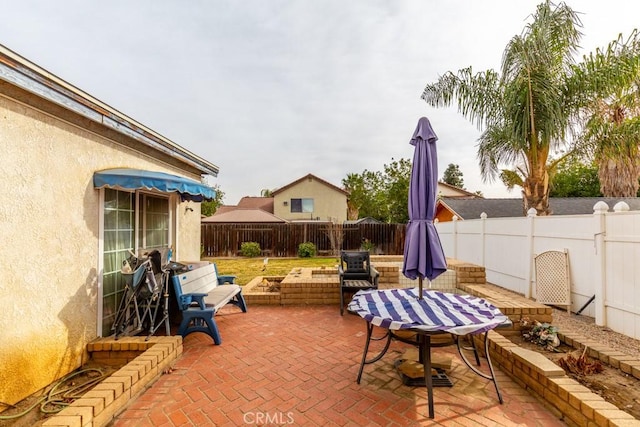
[{"x": 272, "y": 90}]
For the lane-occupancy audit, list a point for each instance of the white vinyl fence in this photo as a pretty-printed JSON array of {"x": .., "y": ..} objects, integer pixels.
[{"x": 603, "y": 251}]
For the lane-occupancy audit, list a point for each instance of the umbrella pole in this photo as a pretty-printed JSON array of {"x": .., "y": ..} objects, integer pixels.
[{"x": 420, "y": 287}]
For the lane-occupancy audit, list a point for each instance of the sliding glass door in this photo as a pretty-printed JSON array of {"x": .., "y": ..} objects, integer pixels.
[{"x": 132, "y": 221}]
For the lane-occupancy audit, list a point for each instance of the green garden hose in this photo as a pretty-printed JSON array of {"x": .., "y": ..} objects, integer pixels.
[{"x": 55, "y": 401}]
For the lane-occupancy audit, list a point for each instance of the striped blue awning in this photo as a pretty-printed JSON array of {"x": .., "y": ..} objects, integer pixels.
[
  {"x": 438, "y": 311},
  {"x": 135, "y": 179}
]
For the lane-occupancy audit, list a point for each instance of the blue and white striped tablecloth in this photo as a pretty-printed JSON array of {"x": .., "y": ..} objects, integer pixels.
[{"x": 438, "y": 311}]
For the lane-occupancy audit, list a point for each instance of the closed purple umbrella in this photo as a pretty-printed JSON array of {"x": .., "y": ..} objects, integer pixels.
[{"x": 423, "y": 254}]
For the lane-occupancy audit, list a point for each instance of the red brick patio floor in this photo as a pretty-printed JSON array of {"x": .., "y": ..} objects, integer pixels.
[{"x": 298, "y": 366}]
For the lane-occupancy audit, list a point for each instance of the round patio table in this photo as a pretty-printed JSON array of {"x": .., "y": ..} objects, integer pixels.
[{"x": 436, "y": 313}]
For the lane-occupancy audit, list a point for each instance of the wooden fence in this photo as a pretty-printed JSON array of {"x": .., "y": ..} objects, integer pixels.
[{"x": 282, "y": 240}]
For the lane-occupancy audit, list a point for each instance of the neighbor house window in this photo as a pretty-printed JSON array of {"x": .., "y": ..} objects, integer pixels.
[
  {"x": 122, "y": 234},
  {"x": 302, "y": 205}
]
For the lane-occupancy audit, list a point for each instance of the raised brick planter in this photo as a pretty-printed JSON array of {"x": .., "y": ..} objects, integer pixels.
[
  {"x": 312, "y": 286},
  {"x": 144, "y": 362},
  {"x": 571, "y": 401}
]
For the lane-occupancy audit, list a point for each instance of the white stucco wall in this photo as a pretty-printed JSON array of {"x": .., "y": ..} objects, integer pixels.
[
  {"x": 49, "y": 216},
  {"x": 188, "y": 232}
]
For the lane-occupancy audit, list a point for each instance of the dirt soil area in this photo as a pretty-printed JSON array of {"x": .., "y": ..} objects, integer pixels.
[
  {"x": 613, "y": 385},
  {"x": 28, "y": 412}
]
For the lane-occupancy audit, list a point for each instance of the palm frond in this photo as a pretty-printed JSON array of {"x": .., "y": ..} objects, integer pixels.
[
  {"x": 477, "y": 95},
  {"x": 511, "y": 178},
  {"x": 495, "y": 149}
]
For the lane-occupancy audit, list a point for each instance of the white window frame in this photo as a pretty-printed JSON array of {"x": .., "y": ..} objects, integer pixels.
[
  {"x": 171, "y": 239},
  {"x": 302, "y": 204}
]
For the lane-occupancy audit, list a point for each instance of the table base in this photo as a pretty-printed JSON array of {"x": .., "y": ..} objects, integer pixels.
[
  {"x": 440, "y": 379},
  {"x": 424, "y": 346}
]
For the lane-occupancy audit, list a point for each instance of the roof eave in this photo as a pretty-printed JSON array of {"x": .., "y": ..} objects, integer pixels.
[
  {"x": 20, "y": 72},
  {"x": 309, "y": 175}
]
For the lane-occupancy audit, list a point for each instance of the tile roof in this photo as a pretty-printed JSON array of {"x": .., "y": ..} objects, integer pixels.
[
  {"x": 502, "y": 208},
  {"x": 243, "y": 215},
  {"x": 309, "y": 176},
  {"x": 225, "y": 208},
  {"x": 264, "y": 203},
  {"x": 472, "y": 208},
  {"x": 366, "y": 220},
  {"x": 584, "y": 205}
]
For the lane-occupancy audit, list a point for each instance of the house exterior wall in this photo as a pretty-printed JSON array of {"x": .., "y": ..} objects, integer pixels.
[
  {"x": 49, "y": 223},
  {"x": 328, "y": 204},
  {"x": 443, "y": 215},
  {"x": 448, "y": 191},
  {"x": 188, "y": 232}
]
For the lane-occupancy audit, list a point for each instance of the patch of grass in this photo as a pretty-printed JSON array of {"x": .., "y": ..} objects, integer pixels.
[{"x": 247, "y": 268}]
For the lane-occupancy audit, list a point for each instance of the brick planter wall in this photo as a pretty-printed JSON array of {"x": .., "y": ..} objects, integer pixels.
[
  {"x": 144, "y": 362},
  {"x": 467, "y": 273},
  {"x": 312, "y": 286},
  {"x": 571, "y": 401}
]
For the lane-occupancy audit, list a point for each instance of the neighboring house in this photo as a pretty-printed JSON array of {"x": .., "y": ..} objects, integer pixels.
[
  {"x": 310, "y": 199},
  {"x": 242, "y": 215},
  {"x": 249, "y": 202},
  {"x": 82, "y": 184},
  {"x": 366, "y": 220},
  {"x": 249, "y": 209},
  {"x": 446, "y": 207},
  {"x": 448, "y": 190},
  {"x": 223, "y": 209},
  {"x": 300, "y": 197}
]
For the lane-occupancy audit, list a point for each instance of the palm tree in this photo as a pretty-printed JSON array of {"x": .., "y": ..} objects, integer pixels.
[
  {"x": 616, "y": 138},
  {"x": 531, "y": 108},
  {"x": 612, "y": 123}
]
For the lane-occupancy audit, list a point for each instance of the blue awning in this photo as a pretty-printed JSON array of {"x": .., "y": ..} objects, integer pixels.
[{"x": 135, "y": 179}]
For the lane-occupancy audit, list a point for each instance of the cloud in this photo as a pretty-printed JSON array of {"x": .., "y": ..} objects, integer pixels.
[{"x": 272, "y": 90}]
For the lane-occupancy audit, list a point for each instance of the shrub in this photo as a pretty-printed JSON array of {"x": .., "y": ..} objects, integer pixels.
[
  {"x": 368, "y": 245},
  {"x": 306, "y": 250},
  {"x": 250, "y": 249}
]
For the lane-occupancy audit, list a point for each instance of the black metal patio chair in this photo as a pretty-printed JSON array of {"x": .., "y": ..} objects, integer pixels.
[{"x": 356, "y": 273}]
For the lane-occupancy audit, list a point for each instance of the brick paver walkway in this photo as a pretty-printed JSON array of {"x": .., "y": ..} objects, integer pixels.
[{"x": 298, "y": 365}]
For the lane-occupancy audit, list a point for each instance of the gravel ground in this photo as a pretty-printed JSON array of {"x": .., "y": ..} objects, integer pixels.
[{"x": 586, "y": 326}]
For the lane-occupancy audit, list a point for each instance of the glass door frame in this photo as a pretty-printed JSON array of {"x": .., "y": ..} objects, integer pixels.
[{"x": 138, "y": 210}]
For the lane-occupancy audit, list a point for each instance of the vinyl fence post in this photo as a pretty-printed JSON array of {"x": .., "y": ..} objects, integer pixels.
[
  {"x": 599, "y": 213},
  {"x": 483, "y": 238},
  {"x": 455, "y": 236},
  {"x": 531, "y": 215}
]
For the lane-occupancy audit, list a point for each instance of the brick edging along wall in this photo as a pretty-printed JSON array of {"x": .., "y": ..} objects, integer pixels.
[
  {"x": 144, "y": 362},
  {"x": 574, "y": 403},
  {"x": 567, "y": 398}
]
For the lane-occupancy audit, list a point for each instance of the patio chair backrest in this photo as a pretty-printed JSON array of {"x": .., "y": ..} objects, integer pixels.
[{"x": 355, "y": 262}]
